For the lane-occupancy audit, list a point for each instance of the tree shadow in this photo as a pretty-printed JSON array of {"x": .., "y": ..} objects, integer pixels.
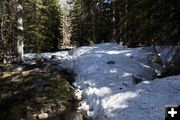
[{"x": 25, "y": 96}]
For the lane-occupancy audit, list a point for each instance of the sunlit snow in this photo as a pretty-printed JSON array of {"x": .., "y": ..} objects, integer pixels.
[{"x": 108, "y": 89}]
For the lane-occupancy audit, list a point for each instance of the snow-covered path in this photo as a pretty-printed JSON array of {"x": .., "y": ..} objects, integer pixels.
[{"x": 104, "y": 78}]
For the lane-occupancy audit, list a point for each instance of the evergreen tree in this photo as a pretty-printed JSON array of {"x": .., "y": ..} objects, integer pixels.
[
  {"x": 33, "y": 32},
  {"x": 76, "y": 23},
  {"x": 52, "y": 23},
  {"x": 132, "y": 22},
  {"x": 91, "y": 22},
  {"x": 147, "y": 22},
  {"x": 8, "y": 30},
  {"x": 43, "y": 28}
]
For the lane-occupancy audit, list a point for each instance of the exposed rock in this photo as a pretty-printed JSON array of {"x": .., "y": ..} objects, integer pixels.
[
  {"x": 111, "y": 62},
  {"x": 53, "y": 57},
  {"x": 137, "y": 79},
  {"x": 131, "y": 56},
  {"x": 40, "y": 60},
  {"x": 43, "y": 116}
]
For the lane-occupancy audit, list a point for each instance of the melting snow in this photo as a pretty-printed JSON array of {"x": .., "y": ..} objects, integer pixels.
[{"x": 108, "y": 90}]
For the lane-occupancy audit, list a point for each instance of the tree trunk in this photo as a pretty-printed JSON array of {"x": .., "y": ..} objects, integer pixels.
[
  {"x": 4, "y": 48},
  {"x": 114, "y": 23},
  {"x": 94, "y": 19},
  {"x": 20, "y": 44},
  {"x": 81, "y": 38},
  {"x": 2, "y": 39}
]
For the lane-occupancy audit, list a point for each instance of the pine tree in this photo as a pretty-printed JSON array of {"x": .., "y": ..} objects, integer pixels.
[
  {"x": 91, "y": 22},
  {"x": 147, "y": 22},
  {"x": 43, "y": 27},
  {"x": 7, "y": 30},
  {"x": 53, "y": 24},
  {"x": 33, "y": 26},
  {"x": 76, "y": 23}
]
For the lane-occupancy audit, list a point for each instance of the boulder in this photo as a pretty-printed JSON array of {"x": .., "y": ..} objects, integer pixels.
[
  {"x": 40, "y": 60},
  {"x": 53, "y": 57},
  {"x": 111, "y": 62},
  {"x": 137, "y": 79},
  {"x": 43, "y": 116}
]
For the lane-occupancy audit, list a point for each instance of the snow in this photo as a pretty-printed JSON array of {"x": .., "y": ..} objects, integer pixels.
[
  {"x": 144, "y": 101},
  {"x": 105, "y": 80}
]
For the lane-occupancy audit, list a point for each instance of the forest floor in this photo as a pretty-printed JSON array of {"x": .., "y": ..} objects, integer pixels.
[
  {"x": 110, "y": 82},
  {"x": 34, "y": 92}
]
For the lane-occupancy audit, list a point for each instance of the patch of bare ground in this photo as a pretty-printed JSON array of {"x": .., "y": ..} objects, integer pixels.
[{"x": 35, "y": 92}]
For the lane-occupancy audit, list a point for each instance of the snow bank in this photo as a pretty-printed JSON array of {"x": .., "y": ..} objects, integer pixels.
[
  {"x": 105, "y": 78},
  {"x": 62, "y": 57},
  {"x": 145, "y": 101}
]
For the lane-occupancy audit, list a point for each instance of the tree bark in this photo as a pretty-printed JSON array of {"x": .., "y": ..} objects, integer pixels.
[
  {"x": 94, "y": 18},
  {"x": 3, "y": 42},
  {"x": 114, "y": 23},
  {"x": 20, "y": 43},
  {"x": 2, "y": 38}
]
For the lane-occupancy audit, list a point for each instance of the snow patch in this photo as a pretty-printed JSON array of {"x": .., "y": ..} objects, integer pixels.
[{"x": 108, "y": 90}]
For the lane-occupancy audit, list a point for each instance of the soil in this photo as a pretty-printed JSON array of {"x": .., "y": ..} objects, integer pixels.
[{"x": 34, "y": 92}]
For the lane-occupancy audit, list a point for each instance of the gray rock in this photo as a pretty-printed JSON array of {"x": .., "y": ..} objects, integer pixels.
[
  {"x": 111, "y": 62},
  {"x": 53, "y": 57},
  {"x": 137, "y": 79},
  {"x": 43, "y": 116}
]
